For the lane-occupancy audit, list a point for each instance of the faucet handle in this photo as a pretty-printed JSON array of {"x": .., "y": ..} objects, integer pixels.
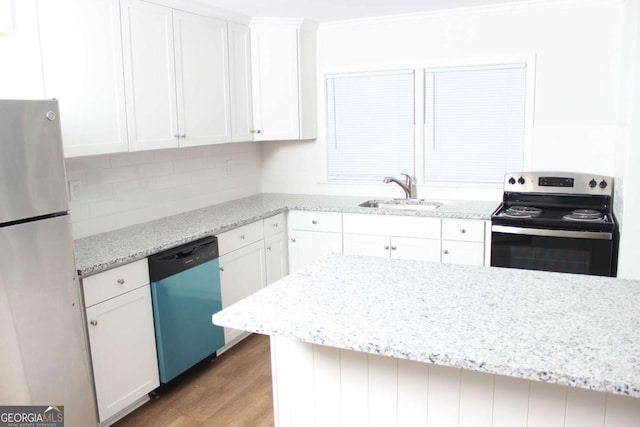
[
  {"x": 408, "y": 178},
  {"x": 412, "y": 192}
]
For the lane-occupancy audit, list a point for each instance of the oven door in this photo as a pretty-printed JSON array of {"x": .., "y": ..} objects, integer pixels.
[{"x": 583, "y": 252}]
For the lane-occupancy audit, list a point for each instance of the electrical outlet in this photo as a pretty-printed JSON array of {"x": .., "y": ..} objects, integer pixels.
[
  {"x": 75, "y": 190},
  {"x": 230, "y": 166}
]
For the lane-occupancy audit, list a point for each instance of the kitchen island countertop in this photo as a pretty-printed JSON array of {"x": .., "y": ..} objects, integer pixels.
[
  {"x": 568, "y": 329},
  {"x": 108, "y": 250}
]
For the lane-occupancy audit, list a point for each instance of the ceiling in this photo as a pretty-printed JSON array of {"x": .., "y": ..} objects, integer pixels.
[{"x": 339, "y": 10}]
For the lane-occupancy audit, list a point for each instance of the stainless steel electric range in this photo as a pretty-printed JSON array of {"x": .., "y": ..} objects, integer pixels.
[{"x": 556, "y": 221}]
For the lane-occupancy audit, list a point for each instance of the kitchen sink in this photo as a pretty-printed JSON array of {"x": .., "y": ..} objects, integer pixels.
[{"x": 404, "y": 204}]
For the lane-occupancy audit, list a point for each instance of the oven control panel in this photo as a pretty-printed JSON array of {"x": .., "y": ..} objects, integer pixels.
[{"x": 558, "y": 183}]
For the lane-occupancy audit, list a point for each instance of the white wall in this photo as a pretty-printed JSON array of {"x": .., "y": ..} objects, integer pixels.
[
  {"x": 627, "y": 203},
  {"x": 577, "y": 49},
  {"x": 119, "y": 190}
]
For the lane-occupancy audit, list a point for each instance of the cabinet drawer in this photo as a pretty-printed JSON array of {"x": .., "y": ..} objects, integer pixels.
[
  {"x": 315, "y": 221},
  {"x": 239, "y": 237},
  {"x": 389, "y": 225},
  {"x": 111, "y": 283},
  {"x": 274, "y": 225},
  {"x": 465, "y": 230}
]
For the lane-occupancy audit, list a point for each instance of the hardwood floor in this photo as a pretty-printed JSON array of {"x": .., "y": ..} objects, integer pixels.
[{"x": 232, "y": 391}]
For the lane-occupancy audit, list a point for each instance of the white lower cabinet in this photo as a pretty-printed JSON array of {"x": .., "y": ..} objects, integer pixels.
[
  {"x": 463, "y": 241},
  {"x": 448, "y": 240},
  {"x": 275, "y": 247},
  {"x": 242, "y": 272},
  {"x": 392, "y": 247},
  {"x": 389, "y": 236},
  {"x": 251, "y": 257},
  {"x": 362, "y": 244},
  {"x": 121, "y": 337},
  {"x": 312, "y": 236},
  {"x": 416, "y": 249},
  {"x": 306, "y": 247},
  {"x": 470, "y": 253}
]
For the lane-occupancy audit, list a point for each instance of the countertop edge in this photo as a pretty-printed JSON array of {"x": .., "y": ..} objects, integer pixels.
[
  {"x": 91, "y": 267},
  {"x": 470, "y": 365}
]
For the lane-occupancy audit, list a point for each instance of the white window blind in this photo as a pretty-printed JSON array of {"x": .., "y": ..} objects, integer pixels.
[
  {"x": 474, "y": 122},
  {"x": 370, "y": 131}
]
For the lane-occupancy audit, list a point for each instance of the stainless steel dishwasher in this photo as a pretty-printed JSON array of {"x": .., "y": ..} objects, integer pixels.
[{"x": 185, "y": 290}]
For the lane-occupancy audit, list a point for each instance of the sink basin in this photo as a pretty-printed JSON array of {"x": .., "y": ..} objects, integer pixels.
[{"x": 404, "y": 204}]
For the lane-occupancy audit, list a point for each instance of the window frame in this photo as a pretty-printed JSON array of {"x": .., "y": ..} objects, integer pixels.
[
  {"x": 419, "y": 68},
  {"x": 395, "y": 71}
]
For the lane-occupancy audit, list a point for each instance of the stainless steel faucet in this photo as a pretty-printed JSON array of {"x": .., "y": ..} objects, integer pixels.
[{"x": 408, "y": 186}]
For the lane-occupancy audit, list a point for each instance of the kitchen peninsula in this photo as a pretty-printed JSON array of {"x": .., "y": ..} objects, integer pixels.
[{"x": 367, "y": 341}]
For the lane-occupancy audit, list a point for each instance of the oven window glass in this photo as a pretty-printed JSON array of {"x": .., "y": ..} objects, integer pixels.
[
  {"x": 550, "y": 259},
  {"x": 560, "y": 254}
]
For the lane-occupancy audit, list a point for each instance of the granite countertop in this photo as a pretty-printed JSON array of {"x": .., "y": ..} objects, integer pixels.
[
  {"x": 108, "y": 250},
  {"x": 569, "y": 329}
]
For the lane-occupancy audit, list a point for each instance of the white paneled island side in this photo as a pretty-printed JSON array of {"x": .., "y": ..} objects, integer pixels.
[{"x": 368, "y": 341}]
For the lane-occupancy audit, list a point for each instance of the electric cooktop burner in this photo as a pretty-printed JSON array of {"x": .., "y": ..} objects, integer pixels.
[
  {"x": 522, "y": 212},
  {"x": 586, "y": 215}
]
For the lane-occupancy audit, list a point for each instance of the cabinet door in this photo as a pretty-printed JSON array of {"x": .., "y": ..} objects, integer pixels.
[
  {"x": 150, "y": 79},
  {"x": 417, "y": 249},
  {"x": 202, "y": 76},
  {"x": 471, "y": 253},
  {"x": 242, "y": 272},
  {"x": 82, "y": 67},
  {"x": 21, "y": 69},
  {"x": 276, "y": 257},
  {"x": 306, "y": 247},
  {"x": 240, "y": 82},
  {"x": 123, "y": 350},
  {"x": 307, "y": 71},
  {"x": 360, "y": 244},
  {"x": 274, "y": 56}
]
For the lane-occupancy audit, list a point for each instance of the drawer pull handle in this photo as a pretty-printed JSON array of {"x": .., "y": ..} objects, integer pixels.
[
  {"x": 386, "y": 248},
  {"x": 275, "y": 224},
  {"x": 393, "y": 248},
  {"x": 446, "y": 252},
  {"x": 94, "y": 322},
  {"x": 293, "y": 240},
  {"x": 242, "y": 236},
  {"x": 314, "y": 222},
  {"x": 221, "y": 268},
  {"x": 462, "y": 230},
  {"x": 268, "y": 248},
  {"x": 120, "y": 281}
]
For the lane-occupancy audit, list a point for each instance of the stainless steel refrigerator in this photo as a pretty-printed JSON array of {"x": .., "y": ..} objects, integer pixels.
[{"x": 43, "y": 347}]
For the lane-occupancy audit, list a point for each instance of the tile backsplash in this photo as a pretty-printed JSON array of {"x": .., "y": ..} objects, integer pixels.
[{"x": 119, "y": 190}]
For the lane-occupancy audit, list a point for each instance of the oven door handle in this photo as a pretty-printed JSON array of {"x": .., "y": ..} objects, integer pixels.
[{"x": 594, "y": 235}]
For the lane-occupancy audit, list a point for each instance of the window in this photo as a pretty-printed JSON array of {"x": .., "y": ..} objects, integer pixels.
[
  {"x": 474, "y": 123},
  {"x": 370, "y": 131}
]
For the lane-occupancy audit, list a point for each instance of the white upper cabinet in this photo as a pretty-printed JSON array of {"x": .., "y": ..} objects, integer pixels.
[
  {"x": 202, "y": 74},
  {"x": 82, "y": 68},
  {"x": 284, "y": 83},
  {"x": 147, "y": 31},
  {"x": 177, "y": 74},
  {"x": 21, "y": 64},
  {"x": 240, "y": 82}
]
